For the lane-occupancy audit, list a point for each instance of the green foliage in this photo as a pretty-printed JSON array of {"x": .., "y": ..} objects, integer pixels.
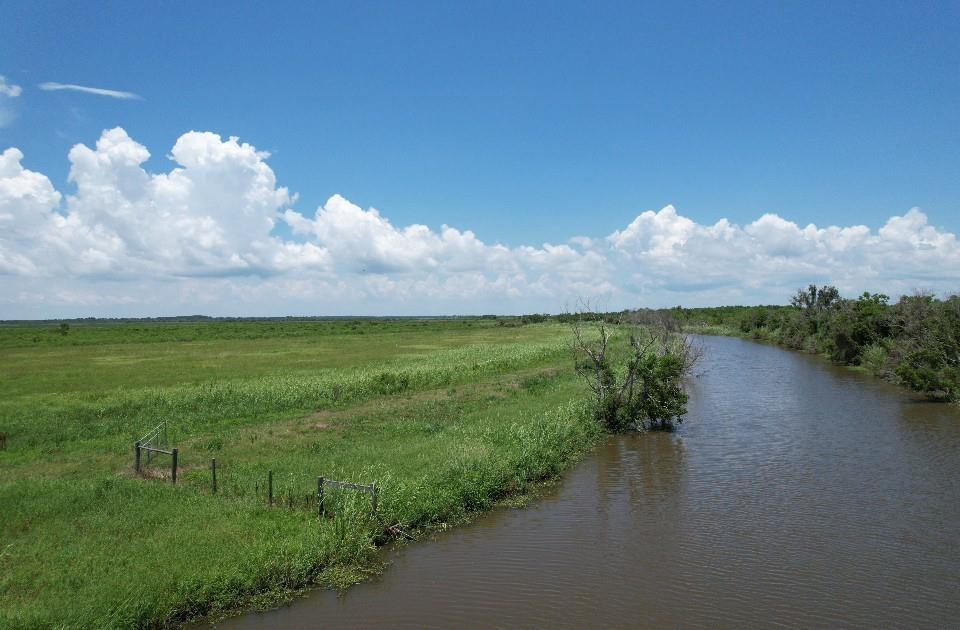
[
  {"x": 874, "y": 359},
  {"x": 915, "y": 342},
  {"x": 655, "y": 399},
  {"x": 927, "y": 347},
  {"x": 636, "y": 387},
  {"x": 857, "y": 324}
]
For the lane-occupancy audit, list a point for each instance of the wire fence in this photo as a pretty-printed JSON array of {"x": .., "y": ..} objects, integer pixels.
[{"x": 327, "y": 498}]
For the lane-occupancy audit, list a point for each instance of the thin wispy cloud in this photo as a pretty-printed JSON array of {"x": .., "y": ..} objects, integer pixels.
[
  {"x": 9, "y": 89},
  {"x": 8, "y": 92},
  {"x": 51, "y": 86}
]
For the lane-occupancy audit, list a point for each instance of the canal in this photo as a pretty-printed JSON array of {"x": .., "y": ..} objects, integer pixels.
[{"x": 796, "y": 493}]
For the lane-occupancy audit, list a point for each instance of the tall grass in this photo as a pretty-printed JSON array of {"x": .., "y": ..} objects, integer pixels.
[
  {"x": 443, "y": 434},
  {"x": 57, "y": 419}
]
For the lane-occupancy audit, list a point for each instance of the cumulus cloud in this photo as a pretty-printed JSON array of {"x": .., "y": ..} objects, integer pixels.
[
  {"x": 672, "y": 252},
  {"x": 27, "y": 201},
  {"x": 201, "y": 237},
  {"x": 51, "y": 86},
  {"x": 211, "y": 215},
  {"x": 364, "y": 240}
]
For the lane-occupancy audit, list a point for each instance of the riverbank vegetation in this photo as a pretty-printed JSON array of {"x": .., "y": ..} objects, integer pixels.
[
  {"x": 446, "y": 417},
  {"x": 640, "y": 387},
  {"x": 914, "y": 341}
]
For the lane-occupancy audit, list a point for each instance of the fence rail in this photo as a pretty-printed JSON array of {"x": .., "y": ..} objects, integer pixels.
[
  {"x": 158, "y": 436},
  {"x": 370, "y": 489},
  {"x": 155, "y": 450},
  {"x": 150, "y": 443}
]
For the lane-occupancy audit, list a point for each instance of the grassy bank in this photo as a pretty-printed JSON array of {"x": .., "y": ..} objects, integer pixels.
[{"x": 446, "y": 417}]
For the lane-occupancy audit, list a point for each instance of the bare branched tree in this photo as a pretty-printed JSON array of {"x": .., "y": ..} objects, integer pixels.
[{"x": 643, "y": 390}]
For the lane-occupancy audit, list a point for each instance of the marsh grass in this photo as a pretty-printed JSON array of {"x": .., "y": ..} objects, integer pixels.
[{"x": 445, "y": 430}]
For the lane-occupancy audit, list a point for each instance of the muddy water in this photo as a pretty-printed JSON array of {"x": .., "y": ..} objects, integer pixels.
[{"x": 795, "y": 494}]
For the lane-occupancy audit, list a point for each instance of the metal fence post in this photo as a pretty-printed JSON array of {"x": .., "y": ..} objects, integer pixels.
[
  {"x": 136, "y": 459},
  {"x": 173, "y": 476},
  {"x": 213, "y": 469},
  {"x": 373, "y": 493},
  {"x": 270, "y": 487}
]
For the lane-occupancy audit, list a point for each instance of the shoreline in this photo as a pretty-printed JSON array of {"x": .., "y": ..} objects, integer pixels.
[
  {"x": 337, "y": 579},
  {"x": 714, "y": 330},
  {"x": 514, "y": 500}
]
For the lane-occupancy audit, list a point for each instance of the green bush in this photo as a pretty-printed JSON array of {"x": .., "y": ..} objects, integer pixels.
[
  {"x": 915, "y": 342},
  {"x": 644, "y": 391},
  {"x": 874, "y": 359}
]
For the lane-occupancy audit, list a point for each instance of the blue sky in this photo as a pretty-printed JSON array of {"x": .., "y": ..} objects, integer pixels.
[{"x": 526, "y": 123}]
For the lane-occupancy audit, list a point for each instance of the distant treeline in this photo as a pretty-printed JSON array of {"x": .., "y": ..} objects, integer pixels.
[
  {"x": 206, "y": 319},
  {"x": 80, "y": 333},
  {"x": 914, "y": 342}
]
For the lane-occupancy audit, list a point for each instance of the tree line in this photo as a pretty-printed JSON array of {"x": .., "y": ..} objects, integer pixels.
[{"x": 914, "y": 341}]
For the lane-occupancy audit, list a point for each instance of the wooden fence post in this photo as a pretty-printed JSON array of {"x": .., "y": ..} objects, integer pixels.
[
  {"x": 320, "y": 496},
  {"x": 136, "y": 459},
  {"x": 213, "y": 469},
  {"x": 173, "y": 466},
  {"x": 270, "y": 487}
]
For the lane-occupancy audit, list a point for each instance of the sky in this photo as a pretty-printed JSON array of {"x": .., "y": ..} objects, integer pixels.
[{"x": 459, "y": 158}]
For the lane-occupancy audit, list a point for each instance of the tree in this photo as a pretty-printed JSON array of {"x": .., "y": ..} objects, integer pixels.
[
  {"x": 859, "y": 324},
  {"x": 816, "y": 299},
  {"x": 927, "y": 352},
  {"x": 644, "y": 390}
]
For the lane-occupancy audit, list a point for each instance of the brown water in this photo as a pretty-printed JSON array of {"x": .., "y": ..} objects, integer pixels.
[{"x": 795, "y": 494}]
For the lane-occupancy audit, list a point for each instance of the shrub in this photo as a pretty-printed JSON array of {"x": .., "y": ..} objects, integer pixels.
[
  {"x": 874, "y": 359},
  {"x": 643, "y": 392}
]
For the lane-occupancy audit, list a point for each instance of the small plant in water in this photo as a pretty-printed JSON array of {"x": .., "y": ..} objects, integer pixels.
[{"x": 644, "y": 390}]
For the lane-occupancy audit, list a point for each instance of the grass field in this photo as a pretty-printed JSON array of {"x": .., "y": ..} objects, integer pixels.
[{"x": 445, "y": 416}]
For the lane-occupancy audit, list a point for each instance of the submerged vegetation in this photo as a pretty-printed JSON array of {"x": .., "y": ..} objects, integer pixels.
[{"x": 446, "y": 417}]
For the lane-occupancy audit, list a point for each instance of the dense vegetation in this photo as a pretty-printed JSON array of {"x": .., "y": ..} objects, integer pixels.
[
  {"x": 636, "y": 378},
  {"x": 445, "y": 416},
  {"x": 914, "y": 342}
]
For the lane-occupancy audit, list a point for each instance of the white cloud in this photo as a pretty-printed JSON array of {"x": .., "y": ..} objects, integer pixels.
[
  {"x": 210, "y": 215},
  {"x": 27, "y": 202},
  {"x": 8, "y": 89},
  {"x": 50, "y": 86},
  {"x": 200, "y": 238},
  {"x": 8, "y": 92}
]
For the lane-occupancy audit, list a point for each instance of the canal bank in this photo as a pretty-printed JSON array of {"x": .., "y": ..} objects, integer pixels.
[{"x": 795, "y": 493}]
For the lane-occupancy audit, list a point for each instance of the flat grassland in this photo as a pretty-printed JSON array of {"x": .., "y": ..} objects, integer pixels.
[{"x": 446, "y": 416}]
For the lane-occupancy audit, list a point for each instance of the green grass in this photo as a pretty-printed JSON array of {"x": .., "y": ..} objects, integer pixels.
[{"x": 446, "y": 417}]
